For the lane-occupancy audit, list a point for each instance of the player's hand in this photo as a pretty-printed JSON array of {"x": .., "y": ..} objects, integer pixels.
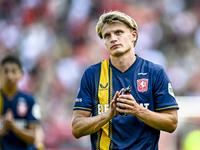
[
  {"x": 8, "y": 120},
  {"x": 127, "y": 104},
  {"x": 3, "y": 127},
  {"x": 113, "y": 105}
]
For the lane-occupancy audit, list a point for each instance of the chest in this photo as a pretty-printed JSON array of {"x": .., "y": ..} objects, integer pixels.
[
  {"x": 19, "y": 107},
  {"x": 141, "y": 89},
  {"x": 141, "y": 85}
]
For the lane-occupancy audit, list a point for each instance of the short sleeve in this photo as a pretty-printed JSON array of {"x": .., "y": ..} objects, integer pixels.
[
  {"x": 164, "y": 97},
  {"x": 33, "y": 111},
  {"x": 84, "y": 96}
]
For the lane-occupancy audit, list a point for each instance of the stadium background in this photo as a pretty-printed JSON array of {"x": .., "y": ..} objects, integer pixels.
[{"x": 56, "y": 42}]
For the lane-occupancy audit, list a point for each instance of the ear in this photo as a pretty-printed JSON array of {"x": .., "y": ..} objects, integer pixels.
[{"x": 134, "y": 35}]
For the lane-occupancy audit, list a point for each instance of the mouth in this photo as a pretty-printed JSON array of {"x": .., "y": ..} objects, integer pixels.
[
  {"x": 9, "y": 82},
  {"x": 115, "y": 46}
]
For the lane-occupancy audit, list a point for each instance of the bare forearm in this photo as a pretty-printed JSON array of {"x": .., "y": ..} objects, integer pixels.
[
  {"x": 82, "y": 126},
  {"x": 160, "y": 121},
  {"x": 2, "y": 133},
  {"x": 28, "y": 135}
]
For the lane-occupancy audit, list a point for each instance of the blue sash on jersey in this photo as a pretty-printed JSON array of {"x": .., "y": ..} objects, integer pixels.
[{"x": 105, "y": 96}]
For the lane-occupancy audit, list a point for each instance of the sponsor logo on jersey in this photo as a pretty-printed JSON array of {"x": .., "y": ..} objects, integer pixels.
[
  {"x": 22, "y": 107},
  {"x": 79, "y": 100},
  {"x": 142, "y": 85},
  {"x": 21, "y": 123},
  {"x": 170, "y": 90},
  {"x": 142, "y": 73},
  {"x": 104, "y": 107},
  {"x": 146, "y": 105},
  {"x": 104, "y": 87}
]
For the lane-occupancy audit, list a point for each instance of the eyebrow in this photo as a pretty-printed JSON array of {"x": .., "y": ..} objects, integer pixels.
[{"x": 112, "y": 31}]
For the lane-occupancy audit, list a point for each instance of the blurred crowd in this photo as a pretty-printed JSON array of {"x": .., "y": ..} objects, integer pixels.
[{"x": 56, "y": 41}]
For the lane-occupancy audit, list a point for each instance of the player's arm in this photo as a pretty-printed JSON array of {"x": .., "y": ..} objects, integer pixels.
[
  {"x": 3, "y": 128},
  {"x": 165, "y": 120},
  {"x": 3, "y": 131},
  {"x": 83, "y": 124},
  {"x": 26, "y": 135}
]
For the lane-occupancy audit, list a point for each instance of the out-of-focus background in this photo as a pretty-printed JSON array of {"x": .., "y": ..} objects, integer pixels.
[{"x": 56, "y": 41}]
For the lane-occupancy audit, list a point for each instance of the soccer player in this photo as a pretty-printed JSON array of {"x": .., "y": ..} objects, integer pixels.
[
  {"x": 19, "y": 113},
  {"x": 150, "y": 107}
]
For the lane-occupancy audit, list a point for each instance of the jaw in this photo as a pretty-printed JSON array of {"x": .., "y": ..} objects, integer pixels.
[
  {"x": 9, "y": 83},
  {"x": 118, "y": 52}
]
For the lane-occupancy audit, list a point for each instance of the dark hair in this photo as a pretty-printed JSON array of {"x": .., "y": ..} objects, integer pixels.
[{"x": 11, "y": 59}]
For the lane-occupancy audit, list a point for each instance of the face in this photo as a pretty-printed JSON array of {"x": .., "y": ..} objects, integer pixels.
[
  {"x": 118, "y": 38},
  {"x": 10, "y": 74}
]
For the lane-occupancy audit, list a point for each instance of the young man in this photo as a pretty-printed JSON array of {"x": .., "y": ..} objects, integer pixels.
[
  {"x": 19, "y": 113},
  {"x": 150, "y": 107}
]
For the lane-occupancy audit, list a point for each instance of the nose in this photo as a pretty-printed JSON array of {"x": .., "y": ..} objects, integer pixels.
[
  {"x": 113, "y": 38},
  {"x": 9, "y": 75}
]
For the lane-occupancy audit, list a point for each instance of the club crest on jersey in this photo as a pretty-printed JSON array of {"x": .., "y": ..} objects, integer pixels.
[
  {"x": 142, "y": 85},
  {"x": 22, "y": 107}
]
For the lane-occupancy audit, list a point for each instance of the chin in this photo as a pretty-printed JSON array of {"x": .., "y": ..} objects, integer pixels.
[
  {"x": 117, "y": 54},
  {"x": 10, "y": 83}
]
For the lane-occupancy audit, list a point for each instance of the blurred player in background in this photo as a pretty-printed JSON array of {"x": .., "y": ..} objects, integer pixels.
[
  {"x": 39, "y": 140},
  {"x": 150, "y": 107},
  {"x": 18, "y": 111}
]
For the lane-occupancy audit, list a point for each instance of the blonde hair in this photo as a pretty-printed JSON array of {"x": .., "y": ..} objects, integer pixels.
[{"x": 116, "y": 16}]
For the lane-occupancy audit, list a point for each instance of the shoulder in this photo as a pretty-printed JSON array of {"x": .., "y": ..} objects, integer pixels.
[
  {"x": 150, "y": 66},
  {"x": 92, "y": 70},
  {"x": 28, "y": 96},
  {"x": 94, "y": 67}
]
